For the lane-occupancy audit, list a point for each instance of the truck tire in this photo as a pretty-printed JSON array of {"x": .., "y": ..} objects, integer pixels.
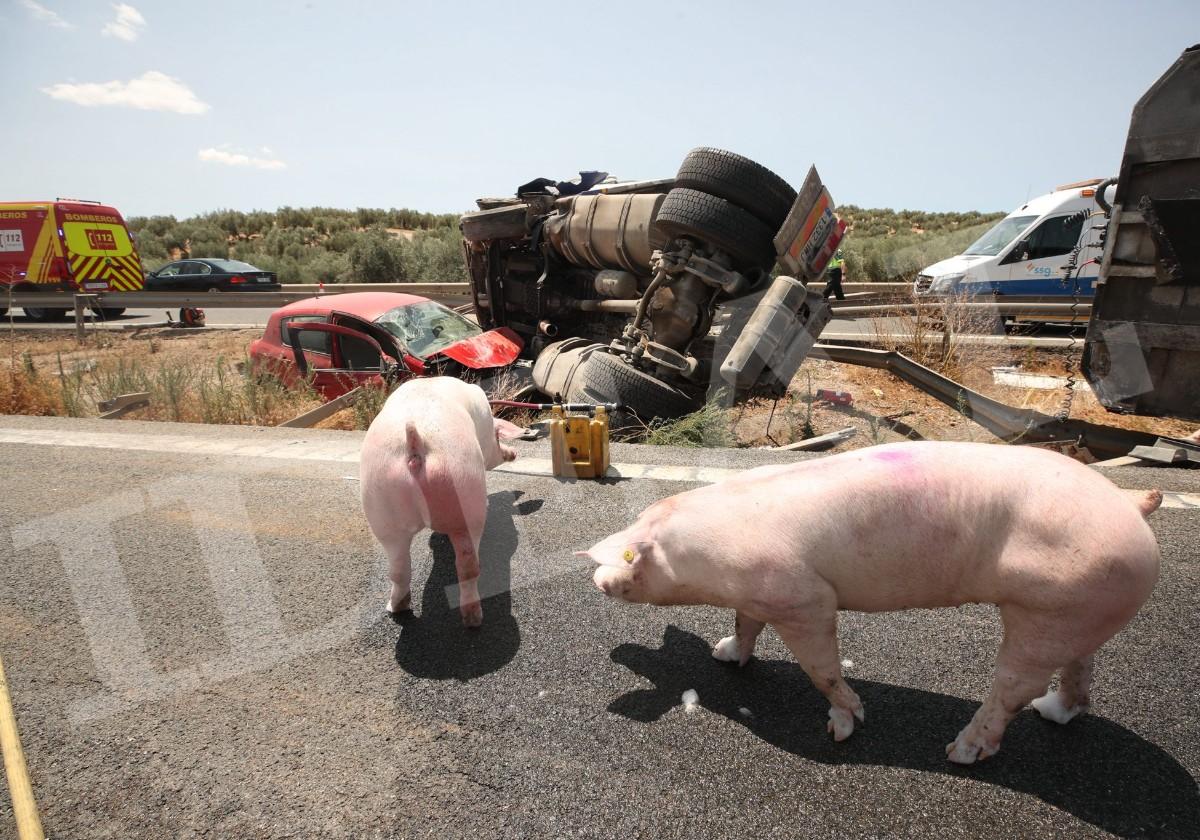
[
  {"x": 740, "y": 181},
  {"x": 109, "y": 312},
  {"x": 40, "y": 314},
  {"x": 608, "y": 378},
  {"x": 719, "y": 223},
  {"x": 3, "y": 311}
]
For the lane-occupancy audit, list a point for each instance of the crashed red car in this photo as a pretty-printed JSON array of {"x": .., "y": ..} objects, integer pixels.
[{"x": 352, "y": 339}]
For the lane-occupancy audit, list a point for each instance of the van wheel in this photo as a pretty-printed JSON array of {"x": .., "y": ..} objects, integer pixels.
[
  {"x": 738, "y": 180},
  {"x": 718, "y": 223},
  {"x": 40, "y": 314}
]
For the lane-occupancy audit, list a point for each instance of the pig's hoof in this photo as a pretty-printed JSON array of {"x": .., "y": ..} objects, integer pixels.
[
  {"x": 726, "y": 650},
  {"x": 841, "y": 723},
  {"x": 402, "y": 606},
  {"x": 1052, "y": 707},
  {"x": 965, "y": 751},
  {"x": 472, "y": 616}
]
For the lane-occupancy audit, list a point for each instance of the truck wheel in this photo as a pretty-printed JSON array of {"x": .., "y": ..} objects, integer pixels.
[
  {"x": 40, "y": 314},
  {"x": 608, "y": 378},
  {"x": 3, "y": 311},
  {"x": 109, "y": 312},
  {"x": 738, "y": 180},
  {"x": 720, "y": 224}
]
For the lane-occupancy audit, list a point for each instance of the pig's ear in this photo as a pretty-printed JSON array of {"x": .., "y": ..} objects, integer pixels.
[
  {"x": 637, "y": 552},
  {"x": 506, "y": 430}
]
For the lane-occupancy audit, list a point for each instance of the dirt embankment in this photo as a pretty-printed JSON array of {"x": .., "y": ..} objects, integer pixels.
[{"x": 200, "y": 377}]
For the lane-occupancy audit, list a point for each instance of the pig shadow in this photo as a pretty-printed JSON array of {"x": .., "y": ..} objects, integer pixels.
[
  {"x": 435, "y": 645},
  {"x": 1092, "y": 768}
]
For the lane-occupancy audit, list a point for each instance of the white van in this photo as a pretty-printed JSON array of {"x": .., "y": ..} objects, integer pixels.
[{"x": 1027, "y": 251}]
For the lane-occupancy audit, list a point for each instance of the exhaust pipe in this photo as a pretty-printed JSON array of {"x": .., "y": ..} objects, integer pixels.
[{"x": 546, "y": 328}]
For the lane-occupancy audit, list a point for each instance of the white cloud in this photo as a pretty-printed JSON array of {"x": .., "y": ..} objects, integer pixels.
[
  {"x": 237, "y": 159},
  {"x": 128, "y": 25},
  {"x": 151, "y": 91},
  {"x": 46, "y": 16}
]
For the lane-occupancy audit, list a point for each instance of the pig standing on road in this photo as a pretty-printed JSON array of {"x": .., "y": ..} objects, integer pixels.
[
  {"x": 1066, "y": 556},
  {"x": 422, "y": 466}
]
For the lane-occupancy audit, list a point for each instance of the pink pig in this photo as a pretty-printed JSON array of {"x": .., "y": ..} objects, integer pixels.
[
  {"x": 422, "y": 466},
  {"x": 1066, "y": 556}
]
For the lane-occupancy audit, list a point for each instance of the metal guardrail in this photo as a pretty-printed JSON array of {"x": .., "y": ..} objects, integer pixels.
[
  {"x": 297, "y": 291},
  {"x": 227, "y": 300}
]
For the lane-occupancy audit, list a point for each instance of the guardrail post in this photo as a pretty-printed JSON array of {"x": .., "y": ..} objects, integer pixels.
[{"x": 82, "y": 302}]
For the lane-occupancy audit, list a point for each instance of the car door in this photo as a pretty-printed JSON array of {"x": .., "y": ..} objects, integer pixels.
[
  {"x": 356, "y": 358},
  {"x": 315, "y": 345},
  {"x": 196, "y": 276},
  {"x": 1037, "y": 262},
  {"x": 167, "y": 278}
]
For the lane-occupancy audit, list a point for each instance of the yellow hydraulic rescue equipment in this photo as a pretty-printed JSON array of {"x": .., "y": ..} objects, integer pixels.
[
  {"x": 578, "y": 436},
  {"x": 579, "y": 440}
]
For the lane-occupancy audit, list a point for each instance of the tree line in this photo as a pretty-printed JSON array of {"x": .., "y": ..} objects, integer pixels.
[{"x": 370, "y": 245}]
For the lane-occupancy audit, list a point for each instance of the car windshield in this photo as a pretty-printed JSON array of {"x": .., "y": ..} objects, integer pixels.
[
  {"x": 233, "y": 265},
  {"x": 995, "y": 240},
  {"x": 425, "y": 328}
]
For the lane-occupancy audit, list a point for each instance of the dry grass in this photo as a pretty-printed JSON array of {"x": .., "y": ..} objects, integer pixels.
[{"x": 198, "y": 378}]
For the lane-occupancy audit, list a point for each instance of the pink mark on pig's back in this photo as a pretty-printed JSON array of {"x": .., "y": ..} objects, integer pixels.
[{"x": 900, "y": 463}]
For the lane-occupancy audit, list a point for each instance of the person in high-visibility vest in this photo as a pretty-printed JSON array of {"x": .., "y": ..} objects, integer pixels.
[{"x": 834, "y": 272}]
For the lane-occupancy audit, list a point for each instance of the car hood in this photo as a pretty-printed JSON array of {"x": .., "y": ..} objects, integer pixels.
[{"x": 494, "y": 348}]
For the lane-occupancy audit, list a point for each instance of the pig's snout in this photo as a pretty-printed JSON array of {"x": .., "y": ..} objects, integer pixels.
[{"x": 612, "y": 582}]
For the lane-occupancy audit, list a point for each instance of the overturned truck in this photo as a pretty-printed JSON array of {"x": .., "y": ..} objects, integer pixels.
[
  {"x": 616, "y": 287},
  {"x": 1142, "y": 352}
]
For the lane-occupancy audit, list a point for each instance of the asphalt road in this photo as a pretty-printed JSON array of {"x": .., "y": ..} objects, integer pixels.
[{"x": 196, "y": 647}]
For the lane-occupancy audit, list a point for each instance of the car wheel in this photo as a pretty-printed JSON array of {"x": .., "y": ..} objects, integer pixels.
[
  {"x": 40, "y": 314},
  {"x": 738, "y": 180},
  {"x": 718, "y": 223},
  {"x": 213, "y": 290},
  {"x": 609, "y": 378}
]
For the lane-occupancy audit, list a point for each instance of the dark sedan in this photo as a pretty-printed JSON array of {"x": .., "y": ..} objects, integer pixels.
[{"x": 211, "y": 276}]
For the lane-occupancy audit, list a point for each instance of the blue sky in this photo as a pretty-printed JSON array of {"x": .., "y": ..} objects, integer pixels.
[{"x": 179, "y": 108}]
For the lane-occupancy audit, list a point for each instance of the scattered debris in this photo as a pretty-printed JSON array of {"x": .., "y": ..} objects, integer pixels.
[
  {"x": 122, "y": 405},
  {"x": 820, "y": 442},
  {"x": 744, "y": 712},
  {"x": 690, "y": 700},
  {"x": 1014, "y": 378},
  {"x": 835, "y": 397},
  {"x": 847, "y": 663}
]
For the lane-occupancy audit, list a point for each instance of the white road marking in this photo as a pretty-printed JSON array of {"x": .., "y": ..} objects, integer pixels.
[{"x": 300, "y": 449}]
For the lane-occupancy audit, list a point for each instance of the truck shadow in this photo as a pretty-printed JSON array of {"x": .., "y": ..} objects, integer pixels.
[
  {"x": 1092, "y": 768},
  {"x": 434, "y": 644}
]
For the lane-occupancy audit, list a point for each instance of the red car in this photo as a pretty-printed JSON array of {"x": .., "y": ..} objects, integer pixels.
[{"x": 351, "y": 339}]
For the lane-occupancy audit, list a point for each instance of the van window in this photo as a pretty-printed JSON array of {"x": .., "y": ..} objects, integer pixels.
[
  {"x": 998, "y": 238},
  {"x": 310, "y": 340},
  {"x": 1055, "y": 236}
]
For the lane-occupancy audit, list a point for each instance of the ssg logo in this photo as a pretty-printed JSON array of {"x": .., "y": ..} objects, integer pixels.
[
  {"x": 1039, "y": 270},
  {"x": 101, "y": 240}
]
